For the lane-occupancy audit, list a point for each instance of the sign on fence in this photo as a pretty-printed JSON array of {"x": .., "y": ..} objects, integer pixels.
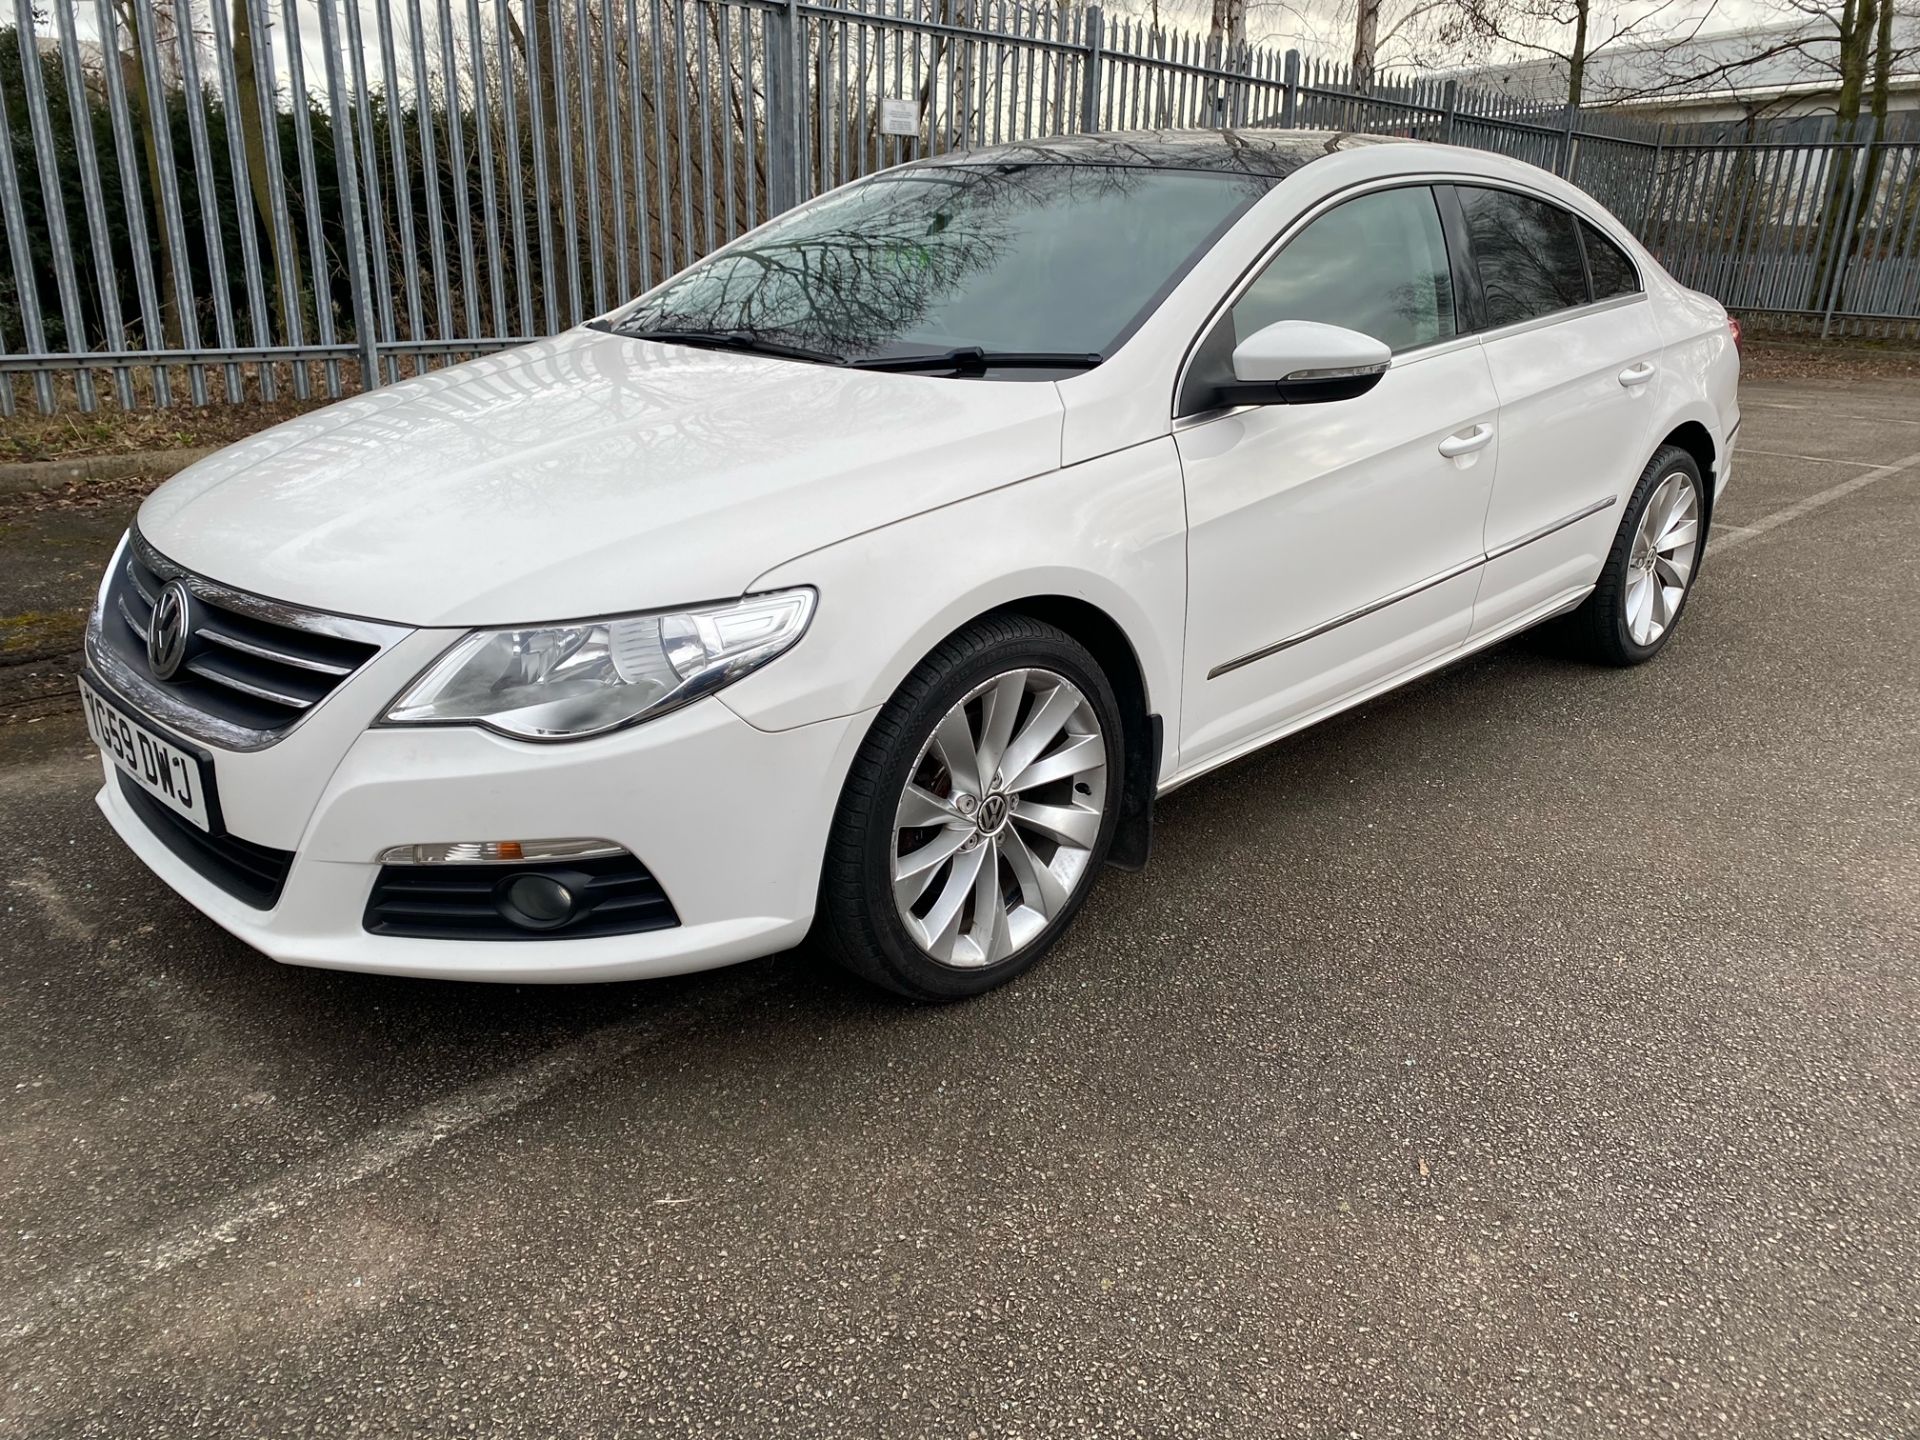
[{"x": 899, "y": 117}]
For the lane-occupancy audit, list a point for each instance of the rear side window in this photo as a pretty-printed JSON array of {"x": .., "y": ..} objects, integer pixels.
[
  {"x": 1376, "y": 264},
  {"x": 1527, "y": 254},
  {"x": 1613, "y": 273}
]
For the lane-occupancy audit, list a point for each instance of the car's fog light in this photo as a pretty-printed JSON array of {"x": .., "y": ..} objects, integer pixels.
[
  {"x": 499, "y": 852},
  {"x": 536, "y": 902}
]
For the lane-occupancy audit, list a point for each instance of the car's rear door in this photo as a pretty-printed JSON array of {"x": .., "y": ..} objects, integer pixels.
[
  {"x": 1573, "y": 357},
  {"x": 1333, "y": 546}
]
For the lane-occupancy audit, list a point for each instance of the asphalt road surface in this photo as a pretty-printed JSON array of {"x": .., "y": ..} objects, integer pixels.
[{"x": 1533, "y": 1052}]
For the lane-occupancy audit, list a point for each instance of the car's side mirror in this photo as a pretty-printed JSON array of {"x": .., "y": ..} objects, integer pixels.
[{"x": 1302, "y": 362}]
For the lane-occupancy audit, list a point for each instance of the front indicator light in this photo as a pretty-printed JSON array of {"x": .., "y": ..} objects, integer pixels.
[
  {"x": 499, "y": 852},
  {"x": 566, "y": 682}
]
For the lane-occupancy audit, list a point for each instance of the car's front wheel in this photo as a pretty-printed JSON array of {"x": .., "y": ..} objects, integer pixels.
[{"x": 977, "y": 812}]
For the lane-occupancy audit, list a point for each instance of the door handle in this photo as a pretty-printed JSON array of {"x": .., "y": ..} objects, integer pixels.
[
  {"x": 1467, "y": 441},
  {"x": 1637, "y": 374}
]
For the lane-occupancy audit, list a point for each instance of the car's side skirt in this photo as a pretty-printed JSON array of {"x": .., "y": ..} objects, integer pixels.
[{"x": 1558, "y": 605}]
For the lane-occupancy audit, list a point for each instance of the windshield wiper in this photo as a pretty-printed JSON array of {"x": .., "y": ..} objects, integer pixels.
[
  {"x": 744, "y": 341},
  {"x": 972, "y": 360}
]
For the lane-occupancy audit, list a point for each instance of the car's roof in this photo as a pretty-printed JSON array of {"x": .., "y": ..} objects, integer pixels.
[{"x": 1274, "y": 153}]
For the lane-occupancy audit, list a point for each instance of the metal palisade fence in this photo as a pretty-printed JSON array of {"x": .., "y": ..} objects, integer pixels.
[{"x": 211, "y": 199}]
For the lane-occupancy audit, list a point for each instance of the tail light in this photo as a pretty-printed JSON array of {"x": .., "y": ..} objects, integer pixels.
[{"x": 1733, "y": 329}]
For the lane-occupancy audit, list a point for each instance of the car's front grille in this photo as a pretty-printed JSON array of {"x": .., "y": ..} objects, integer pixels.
[
  {"x": 458, "y": 902},
  {"x": 252, "y": 667},
  {"x": 252, "y": 874}
]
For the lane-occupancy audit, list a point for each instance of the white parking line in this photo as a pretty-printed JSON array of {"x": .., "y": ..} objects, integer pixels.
[
  {"x": 1857, "y": 419},
  {"x": 1754, "y": 528},
  {"x": 224, "y": 1221},
  {"x": 1816, "y": 459}
]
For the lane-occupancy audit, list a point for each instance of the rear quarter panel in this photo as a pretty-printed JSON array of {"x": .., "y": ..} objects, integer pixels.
[{"x": 1699, "y": 368}]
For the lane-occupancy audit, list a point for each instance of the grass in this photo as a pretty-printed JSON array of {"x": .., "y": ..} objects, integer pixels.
[
  {"x": 42, "y": 632},
  {"x": 71, "y": 433}
]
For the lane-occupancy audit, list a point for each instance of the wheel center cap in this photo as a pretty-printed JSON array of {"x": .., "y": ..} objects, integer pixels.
[{"x": 993, "y": 814}]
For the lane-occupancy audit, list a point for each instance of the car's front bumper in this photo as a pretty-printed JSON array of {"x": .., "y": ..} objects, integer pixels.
[{"x": 730, "y": 819}]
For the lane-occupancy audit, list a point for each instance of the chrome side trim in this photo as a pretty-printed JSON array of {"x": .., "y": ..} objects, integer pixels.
[
  {"x": 1429, "y": 178},
  {"x": 1546, "y": 530},
  {"x": 1410, "y": 591},
  {"x": 1347, "y": 619},
  {"x": 1560, "y": 317}
]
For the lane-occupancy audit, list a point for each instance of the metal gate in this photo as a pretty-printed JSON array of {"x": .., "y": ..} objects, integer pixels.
[{"x": 209, "y": 199}]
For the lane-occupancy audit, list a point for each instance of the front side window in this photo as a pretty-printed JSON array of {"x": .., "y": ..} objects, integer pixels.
[
  {"x": 1008, "y": 259},
  {"x": 1527, "y": 255},
  {"x": 1377, "y": 264},
  {"x": 1613, "y": 273}
]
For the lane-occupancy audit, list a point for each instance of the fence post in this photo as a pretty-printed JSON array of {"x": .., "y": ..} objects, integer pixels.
[
  {"x": 1449, "y": 106},
  {"x": 786, "y": 85},
  {"x": 1843, "y": 252},
  {"x": 1566, "y": 165},
  {"x": 1290, "y": 92},
  {"x": 359, "y": 281},
  {"x": 1090, "y": 85},
  {"x": 1653, "y": 188}
]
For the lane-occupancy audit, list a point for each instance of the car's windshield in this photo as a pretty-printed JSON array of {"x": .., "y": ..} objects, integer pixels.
[{"x": 1028, "y": 260}]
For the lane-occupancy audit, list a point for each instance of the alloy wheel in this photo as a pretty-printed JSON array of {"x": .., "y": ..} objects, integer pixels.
[
  {"x": 1665, "y": 548},
  {"x": 997, "y": 824}
]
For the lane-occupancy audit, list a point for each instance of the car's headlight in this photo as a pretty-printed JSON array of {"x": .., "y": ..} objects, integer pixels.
[{"x": 562, "y": 682}]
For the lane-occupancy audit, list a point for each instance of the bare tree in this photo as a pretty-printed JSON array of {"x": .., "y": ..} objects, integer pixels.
[
  {"x": 1229, "y": 24},
  {"x": 1366, "y": 40},
  {"x": 253, "y": 120},
  {"x": 148, "y": 118},
  {"x": 1568, "y": 33},
  {"x": 1850, "y": 51}
]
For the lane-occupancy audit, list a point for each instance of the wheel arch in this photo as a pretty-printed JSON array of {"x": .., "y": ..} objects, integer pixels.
[
  {"x": 1694, "y": 438},
  {"x": 1142, "y": 743}
]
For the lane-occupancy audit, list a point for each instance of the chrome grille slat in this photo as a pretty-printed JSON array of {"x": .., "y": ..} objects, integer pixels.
[
  {"x": 139, "y": 627},
  {"x": 248, "y": 687},
  {"x": 279, "y": 657},
  {"x": 133, "y": 574}
]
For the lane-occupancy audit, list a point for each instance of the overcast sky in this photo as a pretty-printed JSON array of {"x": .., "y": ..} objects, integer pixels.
[
  {"x": 1322, "y": 28},
  {"x": 1325, "y": 27}
]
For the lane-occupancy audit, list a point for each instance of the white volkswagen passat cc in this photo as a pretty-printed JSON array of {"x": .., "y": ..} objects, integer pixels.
[{"x": 874, "y": 574}]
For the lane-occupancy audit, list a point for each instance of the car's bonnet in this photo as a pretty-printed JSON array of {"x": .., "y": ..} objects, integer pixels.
[{"x": 587, "y": 475}]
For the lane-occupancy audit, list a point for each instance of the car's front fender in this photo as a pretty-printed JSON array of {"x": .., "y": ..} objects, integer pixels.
[{"x": 1110, "y": 533}]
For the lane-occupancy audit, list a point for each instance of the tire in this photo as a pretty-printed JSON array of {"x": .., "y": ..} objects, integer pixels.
[
  {"x": 939, "y": 936},
  {"x": 1629, "y": 618}
]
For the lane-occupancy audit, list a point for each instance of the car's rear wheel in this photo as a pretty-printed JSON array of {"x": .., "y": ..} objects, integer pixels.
[
  {"x": 976, "y": 814},
  {"x": 1650, "y": 570}
]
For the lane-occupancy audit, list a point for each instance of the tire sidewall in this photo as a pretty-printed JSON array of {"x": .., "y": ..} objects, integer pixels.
[
  {"x": 910, "y": 969},
  {"x": 1667, "y": 461}
]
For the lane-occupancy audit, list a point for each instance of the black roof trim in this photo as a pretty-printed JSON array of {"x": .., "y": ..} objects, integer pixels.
[{"x": 1272, "y": 153}]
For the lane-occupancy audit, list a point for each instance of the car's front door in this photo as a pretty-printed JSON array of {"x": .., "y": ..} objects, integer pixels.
[
  {"x": 1333, "y": 546},
  {"x": 1573, "y": 359}
]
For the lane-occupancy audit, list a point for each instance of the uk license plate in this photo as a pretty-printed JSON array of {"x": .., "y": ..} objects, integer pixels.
[{"x": 176, "y": 779}]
